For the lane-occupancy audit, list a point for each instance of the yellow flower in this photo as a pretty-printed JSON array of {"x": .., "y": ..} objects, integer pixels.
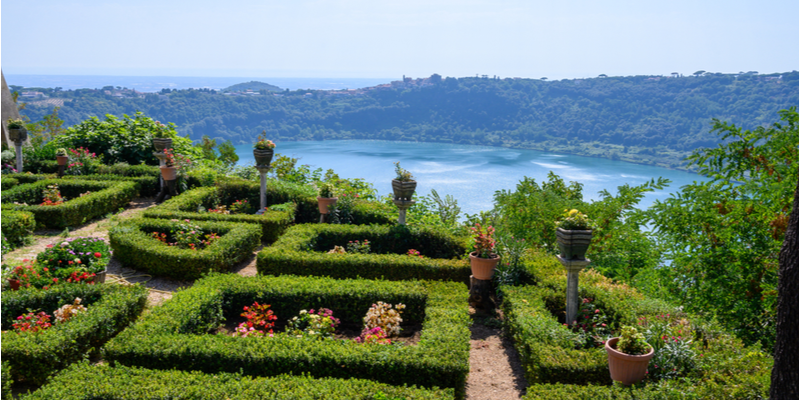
[{"x": 573, "y": 212}]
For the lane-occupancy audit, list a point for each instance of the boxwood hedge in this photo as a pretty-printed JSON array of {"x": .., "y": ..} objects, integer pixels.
[
  {"x": 105, "y": 197},
  {"x": 35, "y": 356},
  {"x": 174, "y": 336},
  {"x": 8, "y": 183},
  {"x": 273, "y": 223},
  {"x": 17, "y": 226},
  {"x": 725, "y": 369},
  {"x": 135, "y": 247},
  {"x": 83, "y": 381},
  {"x": 302, "y": 250},
  {"x": 8, "y": 381}
]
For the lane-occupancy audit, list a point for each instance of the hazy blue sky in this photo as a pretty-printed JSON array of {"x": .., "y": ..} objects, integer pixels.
[{"x": 387, "y": 39}]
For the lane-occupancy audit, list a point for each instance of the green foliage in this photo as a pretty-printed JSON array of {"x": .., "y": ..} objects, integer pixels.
[
  {"x": 723, "y": 236},
  {"x": 83, "y": 381},
  {"x": 185, "y": 206},
  {"x": 135, "y": 247},
  {"x": 175, "y": 334},
  {"x": 123, "y": 139},
  {"x": 105, "y": 197},
  {"x": 632, "y": 342},
  {"x": 7, "y": 382},
  {"x": 17, "y": 226},
  {"x": 303, "y": 250},
  {"x": 35, "y": 356}
]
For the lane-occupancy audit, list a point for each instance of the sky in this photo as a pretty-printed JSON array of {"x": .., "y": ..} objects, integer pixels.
[{"x": 389, "y": 39}]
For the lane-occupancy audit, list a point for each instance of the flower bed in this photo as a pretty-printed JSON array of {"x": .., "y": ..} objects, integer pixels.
[
  {"x": 33, "y": 356},
  {"x": 701, "y": 361},
  {"x": 303, "y": 250},
  {"x": 135, "y": 247},
  {"x": 103, "y": 197},
  {"x": 174, "y": 336},
  {"x": 185, "y": 206},
  {"x": 83, "y": 381}
]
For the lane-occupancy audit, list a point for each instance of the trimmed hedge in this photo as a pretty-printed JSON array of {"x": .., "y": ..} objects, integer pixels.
[
  {"x": 273, "y": 223},
  {"x": 7, "y": 382},
  {"x": 83, "y": 381},
  {"x": 174, "y": 336},
  {"x": 35, "y": 356},
  {"x": 134, "y": 247},
  {"x": 302, "y": 250},
  {"x": 725, "y": 368},
  {"x": 17, "y": 226},
  {"x": 148, "y": 182},
  {"x": 106, "y": 197},
  {"x": 149, "y": 186},
  {"x": 8, "y": 183}
]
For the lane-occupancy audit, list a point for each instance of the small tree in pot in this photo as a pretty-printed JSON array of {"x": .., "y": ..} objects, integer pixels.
[
  {"x": 628, "y": 356},
  {"x": 483, "y": 261},
  {"x": 403, "y": 185},
  {"x": 61, "y": 156}
]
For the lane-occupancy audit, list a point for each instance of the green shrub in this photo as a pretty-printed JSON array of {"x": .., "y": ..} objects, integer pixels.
[
  {"x": 174, "y": 336},
  {"x": 83, "y": 381},
  {"x": 105, "y": 197},
  {"x": 302, "y": 250},
  {"x": 7, "y": 382},
  {"x": 135, "y": 247},
  {"x": 185, "y": 206},
  {"x": 35, "y": 356},
  {"x": 149, "y": 186},
  {"x": 27, "y": 178},
  {"x": 17, "y": 226},
  {"x": 8, "y": 182}
]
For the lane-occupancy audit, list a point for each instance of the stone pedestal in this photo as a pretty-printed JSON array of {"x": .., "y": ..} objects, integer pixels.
[
  {"x": 480, "y": 295},
  {"x": 168, "y": 191},
  {"x": 61, "y": 170},
  {"x": 573, "y": 268},
  {"x": 262, "y": 170},
  {"x": 162, "y": 162},
  {"x": 403, "y": 205},
  {"x": 18, "y": 149}
]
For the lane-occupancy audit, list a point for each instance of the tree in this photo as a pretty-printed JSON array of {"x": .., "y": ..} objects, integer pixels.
[
  {"x": 723, "y": 235},
  {"x": 784, "y": 371},
  {"x": 698, "y": 73}
]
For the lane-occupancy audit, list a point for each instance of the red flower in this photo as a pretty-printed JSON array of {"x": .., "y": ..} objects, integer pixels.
[{"x": 98, "y": 255}]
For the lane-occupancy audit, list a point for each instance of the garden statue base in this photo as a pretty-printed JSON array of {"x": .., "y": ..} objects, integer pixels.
[
  {"x": 573, "y": 268},
  {"x": 403, "y": 205},
  {"x": 168, "y": 191},
  {"x": 480, "y": 295}
]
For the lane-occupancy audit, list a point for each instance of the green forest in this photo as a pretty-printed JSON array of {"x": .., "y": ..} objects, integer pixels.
[{"x": 654, "y": 120}]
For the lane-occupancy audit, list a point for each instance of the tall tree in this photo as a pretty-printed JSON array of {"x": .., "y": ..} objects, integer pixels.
[{"x": 784, "y": 371}]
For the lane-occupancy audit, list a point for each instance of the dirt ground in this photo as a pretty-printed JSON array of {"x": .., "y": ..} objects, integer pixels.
[{"x": 495, "y": 369}]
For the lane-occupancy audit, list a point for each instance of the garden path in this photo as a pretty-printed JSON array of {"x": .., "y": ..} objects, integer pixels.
[{"x": 495, "y": 369}]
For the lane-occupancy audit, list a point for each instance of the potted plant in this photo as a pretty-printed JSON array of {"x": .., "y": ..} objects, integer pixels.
[
  {"x": 628, "y": 356},
  {"x": 326, "y": 196},
  {"x": 263, "y": 150},
  {"x": 61, "y": 156},
  {"x": 162, "y": 137},
  {"x": 483, "y": 261},
  {"x": 16, "y": 130},
  {"x": 574, "y": 235},
  {"x": 402, "y": 185},
  {"x": 172, "y": 164}
]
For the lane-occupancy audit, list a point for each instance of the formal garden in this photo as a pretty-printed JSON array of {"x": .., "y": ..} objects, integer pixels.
[{"x": 296, "y": 283}]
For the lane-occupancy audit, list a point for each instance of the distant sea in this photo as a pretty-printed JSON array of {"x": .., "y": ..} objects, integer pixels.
[{"x": 156, "y": 83}]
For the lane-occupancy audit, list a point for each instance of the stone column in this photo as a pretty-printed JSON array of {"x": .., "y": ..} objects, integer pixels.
[
  {"x": 18, "y": 149},
  {"x": 403, "y": 205},
  {"x": 573, "y": 268},
  {"x": 262, "y": 170}
]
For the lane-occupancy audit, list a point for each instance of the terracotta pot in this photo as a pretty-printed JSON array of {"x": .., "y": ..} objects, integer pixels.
[
  {"x": 100, "y": 277},
  {"x": 324, "y": 202},
  {"x": 403, "y": 190},
  {"x": 62, "y": 160},
  {"x": 14, "y": 283},
  {"x": 625, "y": 368},
  {"x": 263, "y": 157},
  {"x": 573, "y": 243},
  {"x": 18, "y": 134},
  {"x": 169, "y": 173},
  {"x": 483, "y": 268},
  {"x": 162, "y": 143}
]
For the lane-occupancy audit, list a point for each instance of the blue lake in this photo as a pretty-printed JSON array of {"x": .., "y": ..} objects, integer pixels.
[{"x": 471, "y": 174}]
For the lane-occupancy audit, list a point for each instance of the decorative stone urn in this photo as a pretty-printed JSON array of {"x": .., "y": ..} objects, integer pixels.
[
  {"x": 403, "y": 190},
  {"x": 263, "y": 157},
  {"x": 169, "y": 173},
  {"x": 162, "y": 143},
  {"x": 17, "y": 134},
  {"x": 625, "y": 368},
  {"x": 573, "y": 243},
  {"x": 324, "y": 202},
  {"x": 100, "y": 277},
  {"x": 483, "y": 268}
]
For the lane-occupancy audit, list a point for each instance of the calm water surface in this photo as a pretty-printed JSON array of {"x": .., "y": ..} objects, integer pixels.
[{"x": 471, "y": 174}]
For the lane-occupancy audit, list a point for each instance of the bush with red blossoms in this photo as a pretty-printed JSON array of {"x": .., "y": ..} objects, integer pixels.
[
  {"x": 260, "y": 321},
  {"x": 32, "y": 322},
  {"x": 591, "y": 326},
  {"x": 80, "y": 254}
]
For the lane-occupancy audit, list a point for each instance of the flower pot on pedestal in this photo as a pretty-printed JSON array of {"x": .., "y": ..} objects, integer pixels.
[
  {"x": 262, "y": 156},
  {"x": 17, "y": 134},
  {"x": 625, "y": 368},
  {"x": 483, "y": 268},
  {"x": 169, "y": 173},
  {"x": 13, "y": 283},
  {"x": 325, "y": 202},
  {"x": 403, "y": 190},
  {"x": 62, "y": 160},
  {"x": 573, "y": 243},
  {"x": 162, "y": 143}
]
